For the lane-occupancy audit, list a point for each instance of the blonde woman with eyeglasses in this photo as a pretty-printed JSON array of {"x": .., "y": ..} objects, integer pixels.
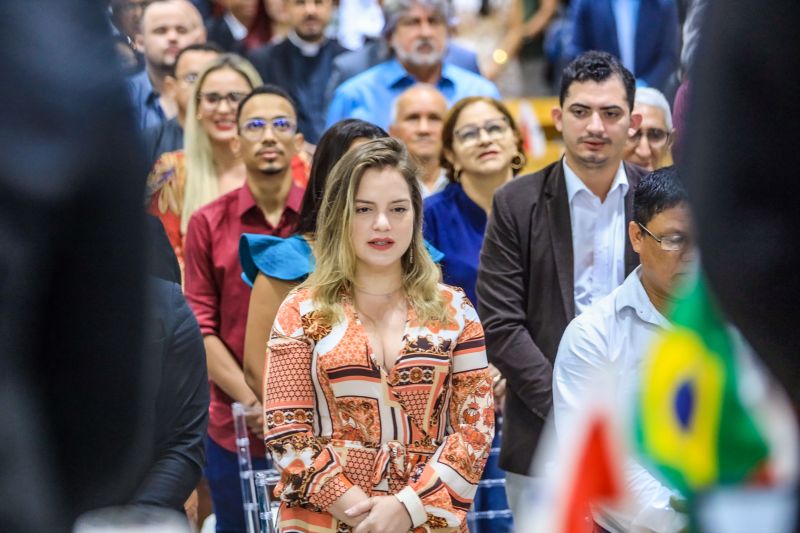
[{"x": 207, "y": 167}]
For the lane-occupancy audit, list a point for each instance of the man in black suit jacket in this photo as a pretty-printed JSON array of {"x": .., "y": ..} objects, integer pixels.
[
  {"x": 556, "y": 243},
  {"x": 302, "y": 63}
]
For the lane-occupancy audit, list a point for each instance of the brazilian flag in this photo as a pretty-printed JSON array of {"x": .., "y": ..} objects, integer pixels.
[{"x": 690, "y": 422}]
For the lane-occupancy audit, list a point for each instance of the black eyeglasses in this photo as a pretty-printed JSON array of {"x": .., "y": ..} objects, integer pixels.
[
  {"x": 672, "y": 242},
  {"x": 212, "y": 100},
  {"x": 253, "y": 130},
  {"x": 470, "y": 134},
  {"x": 655, "y": 136}
]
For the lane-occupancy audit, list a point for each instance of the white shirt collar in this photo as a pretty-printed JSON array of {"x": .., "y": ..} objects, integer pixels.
[
  {"x": 632, "y": 294},
  {"x": 306, "y": 48},
  {"x": 238, "y": 30},
  {"x": 575, "y": 184}
]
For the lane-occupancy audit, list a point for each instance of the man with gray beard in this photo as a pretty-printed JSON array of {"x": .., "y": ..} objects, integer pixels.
[{"x": 417, "y": 34}]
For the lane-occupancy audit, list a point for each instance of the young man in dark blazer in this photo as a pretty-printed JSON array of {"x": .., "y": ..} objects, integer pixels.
[{"x": 555, "y": 244}]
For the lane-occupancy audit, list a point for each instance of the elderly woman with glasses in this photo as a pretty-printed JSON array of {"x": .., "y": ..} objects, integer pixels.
[
  {"x": 184, "y": 180},
  {"x": 481, "y": 150}
]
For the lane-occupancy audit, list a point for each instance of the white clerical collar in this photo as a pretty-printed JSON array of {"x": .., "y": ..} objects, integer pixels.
[
  {"x": 238, "y": 30},
  {"x": 306, "y": 48}
]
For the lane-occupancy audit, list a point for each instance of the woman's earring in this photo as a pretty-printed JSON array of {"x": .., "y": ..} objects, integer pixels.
[
  {"x": 457, "y": 174},
  {"x": 518, "y": 161},
  {"x": 411, "y": 255}
]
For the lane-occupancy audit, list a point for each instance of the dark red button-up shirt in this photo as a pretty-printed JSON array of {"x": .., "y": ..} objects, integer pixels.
[{"x": 215, "y": 289}]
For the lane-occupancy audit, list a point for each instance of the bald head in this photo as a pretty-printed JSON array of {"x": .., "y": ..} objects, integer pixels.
[
  {"x": 167, "y": 27},
  {"x": 417, "y": 119}
]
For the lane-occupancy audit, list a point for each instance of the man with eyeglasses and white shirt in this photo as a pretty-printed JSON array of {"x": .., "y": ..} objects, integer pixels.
[
  {"x": 268, "y": 203},
  {"x": 602, "y": 349}
]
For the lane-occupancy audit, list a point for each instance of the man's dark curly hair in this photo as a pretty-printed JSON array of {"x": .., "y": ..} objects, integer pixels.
[{"x": 597, "y": 67}]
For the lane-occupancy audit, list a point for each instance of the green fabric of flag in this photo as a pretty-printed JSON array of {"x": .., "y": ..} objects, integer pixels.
[{"x": 691, "y": 424}]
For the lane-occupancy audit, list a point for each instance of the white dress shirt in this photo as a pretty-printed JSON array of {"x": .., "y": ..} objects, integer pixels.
[
  {"x": 606, "y": 344},
  {"x": 598, "y": 237}
]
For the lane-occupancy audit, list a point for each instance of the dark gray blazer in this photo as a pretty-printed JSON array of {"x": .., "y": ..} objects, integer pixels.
[{"x": 525, "y": 297}]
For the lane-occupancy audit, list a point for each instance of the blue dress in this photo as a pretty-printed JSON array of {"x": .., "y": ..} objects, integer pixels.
[
  {"x": 287, "y": 259},
  {"x": 455, "y": 225}
]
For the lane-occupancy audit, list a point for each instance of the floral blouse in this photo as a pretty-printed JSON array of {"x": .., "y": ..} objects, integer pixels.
[
  {"x": 165, "y": 187},
  {"x": 334, "y": 418}
]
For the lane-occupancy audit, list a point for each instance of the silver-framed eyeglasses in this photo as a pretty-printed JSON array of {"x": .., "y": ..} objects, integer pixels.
[
  {"x": 655, "y": 136},
  {"x": 253, "y": 130},
  {"x": 470, "y": 134},
  {"x": 213, "y": 99},
  {"x": 671, "y": 242}
]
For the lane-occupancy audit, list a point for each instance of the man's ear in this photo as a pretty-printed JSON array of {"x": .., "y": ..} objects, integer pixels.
[
  {"x": 299, "y": 142},
  {"x": 556, "y": 113},
  {"x": 636, "y": 121},
  {"x": 138, "y": 42},
  {"x": 636, "y": 235}
]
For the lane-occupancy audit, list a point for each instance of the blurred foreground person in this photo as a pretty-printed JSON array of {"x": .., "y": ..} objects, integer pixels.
[
  {"x": 395, "y": 434},
  {"x": 753, "y": 275},
  {"x": 605, "y": 345},
  {"x": 72, "y": 263}
]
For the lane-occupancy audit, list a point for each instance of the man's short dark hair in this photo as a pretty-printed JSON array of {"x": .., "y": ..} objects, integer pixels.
[
  {"x": 658, "y": 191},
  {"x": 597, "y": 67},
  {"x": 265, "y": 89},
  {"x": 204, "y": 47}
]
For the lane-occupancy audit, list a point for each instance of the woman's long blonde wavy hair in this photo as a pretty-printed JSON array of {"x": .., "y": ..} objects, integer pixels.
[
  {"x": 201, "y": 175},
  {"x": 335, "y": 255}
]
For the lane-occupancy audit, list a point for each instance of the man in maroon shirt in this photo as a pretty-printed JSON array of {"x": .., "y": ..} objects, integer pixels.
[{"x": 268, "y": 203}]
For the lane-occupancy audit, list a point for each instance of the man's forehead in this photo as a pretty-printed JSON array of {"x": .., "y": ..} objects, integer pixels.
[
  {"x": 267, "y": 106},
  {"x": 610, "y": 91},
  {"x": 194, "y": 60},
  {"x": 651, "y": 114},
  {"x": 416, "y": 10},
  {"x": 419, "y": 100},
  {"x": 166, "y": 13}
]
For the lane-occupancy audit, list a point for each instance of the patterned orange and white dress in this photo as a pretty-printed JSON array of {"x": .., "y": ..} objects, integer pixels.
[{"x": 334, "y": 418}]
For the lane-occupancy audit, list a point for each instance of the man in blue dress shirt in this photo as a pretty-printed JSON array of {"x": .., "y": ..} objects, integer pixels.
[{"x": 417, "y": 34}]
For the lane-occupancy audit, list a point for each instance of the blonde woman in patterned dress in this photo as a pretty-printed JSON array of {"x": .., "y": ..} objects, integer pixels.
[{"x": 378, "y": 403}]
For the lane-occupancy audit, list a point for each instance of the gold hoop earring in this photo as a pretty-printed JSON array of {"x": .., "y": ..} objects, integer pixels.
[{"x": 518, "y": 161}]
